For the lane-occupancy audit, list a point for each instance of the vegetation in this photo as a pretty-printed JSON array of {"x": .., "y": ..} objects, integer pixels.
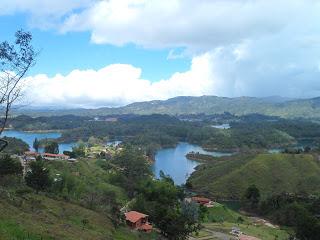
[
  {"x": 9, "y": 166},
  {"x": 273, "y": 106},
  {"x": 270, "y": 173},
  {"x": 163, "y": 202},
  {"x": 51, "y": 147},
  {"x": 38, "y": 176},
  {"x": 15, "y": 146}
]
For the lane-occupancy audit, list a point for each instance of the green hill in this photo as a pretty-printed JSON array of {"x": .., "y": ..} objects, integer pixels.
[
  {"x": 271, "y": 106},
  {"x": 271, "y": 173},
  {"x": 80, "y": 211}
]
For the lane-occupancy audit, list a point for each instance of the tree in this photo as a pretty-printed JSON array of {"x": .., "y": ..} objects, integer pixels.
[
  {"x": 9, "y": 166},
  {"x": 133, "y": 168},
  {"x": 79, "y": 150},
  {"x": 252, "y": 197},
  {"x": 36, "y": 144},
  {"x": 52, "y": 147},
  {"x": 38, "y": 177},
  {"x": 163, "y": 202},
  {"x": 15, "y": 60}
]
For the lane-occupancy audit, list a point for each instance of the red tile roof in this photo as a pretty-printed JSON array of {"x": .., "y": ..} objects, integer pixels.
[
  {"x": 146, "y": 227},
  {"x": 201, "y": 199},
  {"x": 134, "y": 216},
  {"x": 54, "y": 155}
]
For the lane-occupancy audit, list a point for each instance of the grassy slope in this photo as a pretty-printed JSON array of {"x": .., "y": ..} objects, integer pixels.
[
  {"x": 26, "y": 215},
  {"x": 220, "y": 218},
  {"x": 271, "y": 173}
]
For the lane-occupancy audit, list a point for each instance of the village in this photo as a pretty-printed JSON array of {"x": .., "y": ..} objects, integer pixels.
[{"x": 136, "y": 221}]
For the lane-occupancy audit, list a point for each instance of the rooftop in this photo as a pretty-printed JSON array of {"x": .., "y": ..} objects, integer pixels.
[{"x": 134, "y": 216}]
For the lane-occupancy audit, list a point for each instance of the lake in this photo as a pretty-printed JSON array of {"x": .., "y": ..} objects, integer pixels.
[
  {"x": 173, "y": 161},
  {"x": 29, "y": 137}
]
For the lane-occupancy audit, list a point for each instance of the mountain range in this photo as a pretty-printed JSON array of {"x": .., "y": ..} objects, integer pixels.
[{"x": 271, "y": 106}]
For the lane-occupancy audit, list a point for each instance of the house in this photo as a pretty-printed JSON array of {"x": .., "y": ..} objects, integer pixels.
[
  {"x": 138, "y": 221},
  {"x": 51, "y": 156},
  {"x": 30, "y": 156},
  {"x": 202, "y": 201}
]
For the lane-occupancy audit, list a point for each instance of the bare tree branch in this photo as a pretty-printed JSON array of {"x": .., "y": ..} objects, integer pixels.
[{"x": 15, "y": 60}]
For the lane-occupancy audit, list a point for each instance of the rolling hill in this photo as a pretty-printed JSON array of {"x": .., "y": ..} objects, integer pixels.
[
  {"x": 271, "y": 173},
  {"x": 271, "y": 106}
]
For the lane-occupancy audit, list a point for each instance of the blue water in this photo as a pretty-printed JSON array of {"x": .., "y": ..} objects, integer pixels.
[
  {"x": 222, "y": 126},
  {"x": 173, "y": 161},
  {"x": 29, "y": 137}
]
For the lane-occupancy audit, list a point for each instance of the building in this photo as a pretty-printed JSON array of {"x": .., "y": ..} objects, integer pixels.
[
  {"x": 51, "y": 156},
  {"x": 202, "y": 201},
  {"x": 138, "y": 221},
  {"x": 31, "y": 156}
]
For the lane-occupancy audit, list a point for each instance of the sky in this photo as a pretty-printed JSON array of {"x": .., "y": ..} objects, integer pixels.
[{"x": 95, "y": 53}]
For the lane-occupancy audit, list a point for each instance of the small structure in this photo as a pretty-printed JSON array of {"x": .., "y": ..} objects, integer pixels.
[
  {"x": 30, "y": 156},
  {"x": 51, "y": 156},
  {"x": 202, "y": 201},
  {"x": 236, "y": 232},
  {"x": 138, "y": 221}
]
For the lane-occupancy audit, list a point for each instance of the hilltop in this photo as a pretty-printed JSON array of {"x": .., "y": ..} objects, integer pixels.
[
  {"x": 271, "y": 173},
  {"x": 270, "y": 106}
]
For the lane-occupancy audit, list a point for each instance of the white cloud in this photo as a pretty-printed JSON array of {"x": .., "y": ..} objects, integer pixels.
[
  {"x": 116, "y": 84},
  {"x": 238, "y": 47}
]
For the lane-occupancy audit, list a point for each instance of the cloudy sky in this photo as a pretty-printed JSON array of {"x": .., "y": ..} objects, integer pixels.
[{"x": 112, "y": 52}]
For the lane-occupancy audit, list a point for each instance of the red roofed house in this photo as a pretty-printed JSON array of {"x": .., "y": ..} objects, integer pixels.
[
  {"x": 51, "y": 156},
  {"x": 202, "y": 200},
  {"x": 138, "y": 221}
]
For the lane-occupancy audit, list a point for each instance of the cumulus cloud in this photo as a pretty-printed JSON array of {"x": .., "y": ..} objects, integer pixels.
[
  {"x": 115, "y": 85},
  {"x": 237, "y": 47}
]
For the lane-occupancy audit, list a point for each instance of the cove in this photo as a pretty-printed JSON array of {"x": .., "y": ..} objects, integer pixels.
[
  {"x": 29, "y": 137},
  {"x": 173, "y": 161}
]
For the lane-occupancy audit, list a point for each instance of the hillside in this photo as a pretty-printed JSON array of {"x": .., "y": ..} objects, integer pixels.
[
  {"x": 272, "y": 106},
  {"x": 271, "y": 173},
  {"x": 75, "y": 212}
]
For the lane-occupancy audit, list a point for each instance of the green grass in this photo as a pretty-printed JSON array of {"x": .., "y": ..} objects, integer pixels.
[
  {"x": 28, "y": 216},
  {"x": 262, "y": 232},
  {"x": 271, "y": 173},
  {"x": 221, "y": 213}
]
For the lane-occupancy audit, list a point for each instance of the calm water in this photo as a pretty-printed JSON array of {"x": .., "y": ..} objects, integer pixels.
[
  {"x": 173, "y": 161},
  {"x": 222, "y": 126},
  {"x": 29, "y": 137}
]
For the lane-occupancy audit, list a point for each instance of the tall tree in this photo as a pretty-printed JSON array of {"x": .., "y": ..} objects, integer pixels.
[
  {"x": 38, "y": 177},
  {"x": 163, "y": 202},
  {"x": 252, "y": 197},
  {"x": 9, "y": 166},
  {"x": 36, "y": 144},
  {"x": 15, "y": 60},
  {"x": 133, "y": 168},
  {"x": 52, "y": 147}
]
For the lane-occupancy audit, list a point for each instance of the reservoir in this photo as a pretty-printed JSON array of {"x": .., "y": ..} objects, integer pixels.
[
  {"x": 29, "y": 137},
  {"x": 173, "y": 161}
]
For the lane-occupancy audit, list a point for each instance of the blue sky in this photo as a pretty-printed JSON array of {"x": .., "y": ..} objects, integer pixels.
[
  {"x": 64, "y": 52},
  {"x": 98, "y": 53}
]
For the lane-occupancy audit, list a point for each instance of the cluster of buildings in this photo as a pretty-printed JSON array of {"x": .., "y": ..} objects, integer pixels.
[
  {"x": 31, "y": 156},
  {"x": 139, "y": 221}
]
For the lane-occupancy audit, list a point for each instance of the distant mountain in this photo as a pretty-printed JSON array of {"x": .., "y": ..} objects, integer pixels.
[{"x": 271, "y": 106}]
